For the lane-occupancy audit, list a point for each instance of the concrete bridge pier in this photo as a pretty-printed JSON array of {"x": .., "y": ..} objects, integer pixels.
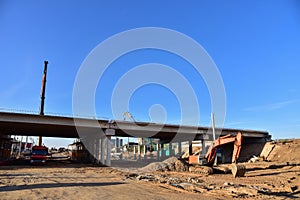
[
  {"x": 163, "y": 152},
  {"x": 90, "y": 145},
  {"x": 116, "y": 145},
  {"x": 96, "y": 150},
  {"x": 203, "y": 151},
  {"x": 179, "y": 149},
  {"x": 93, "y": 143},
  {"x": 134, "y": 153},
  {"x": 157, "y": 151},
  {"x": 139, "y": 152},
  {"x": 160, "y": 151},
  {"x": 108, "y": 150},
  {"x": 99, "y": 151},
  {"x": 170, "y": 149},
  {"x": 145, "y": 156},
  {"x": 102, "y": 150},
  {"x": 108, "y": 134}
]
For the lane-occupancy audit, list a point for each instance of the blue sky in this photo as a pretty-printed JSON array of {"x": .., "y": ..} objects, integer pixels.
[{"x": 255, "y": 45}]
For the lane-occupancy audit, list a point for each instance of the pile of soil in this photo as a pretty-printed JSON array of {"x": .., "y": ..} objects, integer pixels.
[
  {"x": 286, "y": 151},
  {"x": 170, "y": 164}
]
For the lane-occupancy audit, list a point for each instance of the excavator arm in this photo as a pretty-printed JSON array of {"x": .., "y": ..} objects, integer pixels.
[
  {"x": 237, "y": 147},
  {"x": 212, "y": 151}
]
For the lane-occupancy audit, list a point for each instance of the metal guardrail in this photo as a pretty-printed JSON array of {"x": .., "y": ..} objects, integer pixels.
[{"x": 22, "y": 111}]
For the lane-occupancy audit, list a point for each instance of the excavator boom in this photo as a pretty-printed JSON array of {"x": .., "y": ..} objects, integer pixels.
[
  {"x": 212, "y": 151},
  {"x": 237, "y": 147}
]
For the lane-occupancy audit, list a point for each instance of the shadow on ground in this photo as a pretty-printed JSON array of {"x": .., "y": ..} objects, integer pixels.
[{"x": 56, "y": 185}]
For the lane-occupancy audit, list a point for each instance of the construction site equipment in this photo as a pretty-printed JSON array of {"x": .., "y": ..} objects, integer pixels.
[
  {"x": 212, "y": 151},
  {"x": 43, "y": 89},
  {"x": 38, "y": 155},
  {"x": 209, "y": 159}
]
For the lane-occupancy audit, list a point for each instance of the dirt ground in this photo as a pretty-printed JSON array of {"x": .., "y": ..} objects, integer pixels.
[{"x": 275, "y": 177}]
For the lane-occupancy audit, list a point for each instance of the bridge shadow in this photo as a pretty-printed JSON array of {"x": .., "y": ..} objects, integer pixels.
[
  {"x": 16, "y": 176},
  {"x": 274, "y": 173},
  {"x": 56, "y": 185},
  {"x": 283, "y": 195},
  {"x": 49, "y": 164},
  {"x": 274, "y": 166}
]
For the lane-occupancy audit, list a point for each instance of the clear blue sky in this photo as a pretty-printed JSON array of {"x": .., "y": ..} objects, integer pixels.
[{"x": 255, "y": 44}]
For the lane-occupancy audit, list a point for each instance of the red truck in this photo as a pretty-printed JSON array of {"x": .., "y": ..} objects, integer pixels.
[{"x": 38, "y": 155}]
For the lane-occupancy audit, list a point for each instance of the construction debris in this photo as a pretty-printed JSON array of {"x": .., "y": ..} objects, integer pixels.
[
  {"x": 254, "y": 159},
  {"x": 269, "y": 146},
  {"x": 201, "y": 170}
]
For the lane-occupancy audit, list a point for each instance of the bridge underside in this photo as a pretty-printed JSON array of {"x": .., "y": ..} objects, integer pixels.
[{"x": 64, "y": 127}]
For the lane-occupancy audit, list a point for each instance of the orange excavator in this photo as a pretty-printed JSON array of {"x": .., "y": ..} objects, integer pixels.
[
  {"x": 212, "y": 151},
  {"x": 211, "y": 154}
]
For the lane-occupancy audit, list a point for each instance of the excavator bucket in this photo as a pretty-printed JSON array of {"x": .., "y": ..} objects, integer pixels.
[{"x": 238, "y": 170}]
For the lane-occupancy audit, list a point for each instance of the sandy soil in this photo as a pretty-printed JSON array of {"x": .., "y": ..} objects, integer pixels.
[
  {"x": 78, "y": 182},
  {"x": 276, "y": 178}
]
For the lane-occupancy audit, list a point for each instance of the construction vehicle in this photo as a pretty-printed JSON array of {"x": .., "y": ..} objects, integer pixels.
[
  {"x": 210, "y": 156},
  {"x": 38, "y": 155}
]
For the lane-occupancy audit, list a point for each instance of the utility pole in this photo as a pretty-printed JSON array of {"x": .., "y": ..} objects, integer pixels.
[
  {"x": 213, "y": 125},
  {"x": 43, "y": 89},
  {"x": 214, "y": 134}
]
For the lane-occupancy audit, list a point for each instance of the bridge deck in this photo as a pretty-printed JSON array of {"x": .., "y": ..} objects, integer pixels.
[{"x": 53, "y": 126}]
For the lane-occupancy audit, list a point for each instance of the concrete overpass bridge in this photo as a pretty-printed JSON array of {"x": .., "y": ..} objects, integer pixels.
[
  {"x": 102, "y": 130},
  {"x": 64, "y": 127}
]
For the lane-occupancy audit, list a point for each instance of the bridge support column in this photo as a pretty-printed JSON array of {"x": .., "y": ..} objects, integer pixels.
[
  {"x": 203, "y": 151},
  {"x": 157, "y": 151},
  {"x": 102, "y": 147},
  {"x": 97, "y": 149},
  {"x": 109, "y": 133},
  {"x": 163, "y": 153},
  {"x": 145, "y": 156},
  {"x": 116, "y": 145},
  {"x": 170, "y": 149},
  {"x": 179, "y": 148},
  {"x": 90, "y": 142},
  {"x": 108, "y": 151},
  {"x": 139, "y": 152},
  {"x": 134, "y": 154}
]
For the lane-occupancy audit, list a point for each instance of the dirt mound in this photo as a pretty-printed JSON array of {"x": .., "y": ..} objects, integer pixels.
[
  {"x": 170, "y": 164},
  {"x": 286, "y": 151},
  {"x": 201, "y": 170}
]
